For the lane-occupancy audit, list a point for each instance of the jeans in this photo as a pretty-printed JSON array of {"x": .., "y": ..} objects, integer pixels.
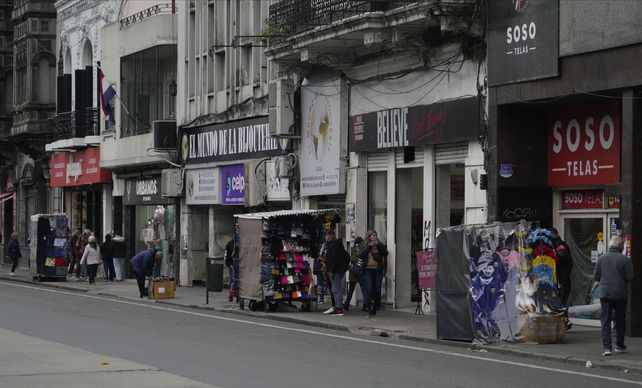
[
  {"x": 140, "y": 279},
  {"x": 119, "y": 268},
  {"x": 91, "y": 272},
  {"x": 371, "y": 287},
  {"x": 321, "y": 286},
  {"x": 74, "y": 267},
  {"x": 108, "y": 266},
  {"x": 608, "y": 306},
  {"x": 14, "y": 263},
  {"x": 234, "y": 279},
  {"x": 351, "y": 287},
  {"x": 336, "y": 279}
]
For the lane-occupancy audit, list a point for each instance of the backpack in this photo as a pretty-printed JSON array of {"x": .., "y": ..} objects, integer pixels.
[{"x": 357, "y": 267}]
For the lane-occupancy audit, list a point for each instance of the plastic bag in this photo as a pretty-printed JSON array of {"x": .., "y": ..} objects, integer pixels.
[{"x": 383, "y": 287}]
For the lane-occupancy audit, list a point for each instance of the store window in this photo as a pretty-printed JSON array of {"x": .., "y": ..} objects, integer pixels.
[
  {"x": 155, "y": 226},
  {"x": 377, "y": 203},
  {"x": 450, "y": 195}
]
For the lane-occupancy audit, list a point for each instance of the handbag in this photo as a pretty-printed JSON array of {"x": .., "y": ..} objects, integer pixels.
[{"x": 357, "y": 267}]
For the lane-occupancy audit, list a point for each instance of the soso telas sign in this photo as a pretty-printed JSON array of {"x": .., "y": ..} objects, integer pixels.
[{"x": 584, "y": 145}]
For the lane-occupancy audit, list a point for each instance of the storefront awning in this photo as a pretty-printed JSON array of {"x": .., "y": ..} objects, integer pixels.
[
  {"x": 285, "y": 213},
  {"x": 5, "y": 197}
]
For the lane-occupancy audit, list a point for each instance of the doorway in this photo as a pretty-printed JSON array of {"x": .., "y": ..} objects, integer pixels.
[{"x": 409, "y": 233}]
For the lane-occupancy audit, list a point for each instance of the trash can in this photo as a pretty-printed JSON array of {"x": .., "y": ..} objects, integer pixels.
[{"x": 215, "y": 269}]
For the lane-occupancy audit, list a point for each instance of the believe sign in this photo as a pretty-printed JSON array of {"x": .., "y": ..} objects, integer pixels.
[{"x": 584, "y": 145}]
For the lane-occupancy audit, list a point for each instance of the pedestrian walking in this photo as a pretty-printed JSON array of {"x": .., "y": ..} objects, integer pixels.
[
  {"x": 338, "y": 261},
  {"x": 119, "y": 251},
  {"x": 614, "y": 272},
  {"x": 91, "y": 258},
  {"x": 13, "y": 251},
  {"x": 82, "y": 242},
  {"x": 232, "y": 263},
  {"x": 143, "y": 267},
  {"x": 107, "y": 251},
  {"x": 564, "y": 265},
  {"x": 375, "y": 255},
  {"x": 74, "y": 266},
  {"x": 353, "y": 278}
]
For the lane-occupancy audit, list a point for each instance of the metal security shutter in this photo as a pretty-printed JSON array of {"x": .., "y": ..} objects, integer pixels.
[
  {"x": 418, "y": 162},
  {"x": 377, "y": 160},
  {"x": 451, "y": 153}
]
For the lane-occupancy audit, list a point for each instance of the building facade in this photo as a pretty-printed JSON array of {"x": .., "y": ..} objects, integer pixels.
[
  {"x": 564, "y": 133},
  {"x": 80, "y": 186},
  {"x": 389, "y": 118},
  {"x": 224, "y": 135},
  {"x": 138, "y": 58},
  {"x": 7, "y": 152},
  {"x": 34, "y": 66}
]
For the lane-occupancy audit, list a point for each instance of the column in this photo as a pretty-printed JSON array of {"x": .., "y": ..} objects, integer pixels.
[{"x": 429, "y": 214}]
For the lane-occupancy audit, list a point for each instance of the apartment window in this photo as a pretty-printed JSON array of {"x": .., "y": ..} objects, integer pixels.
[
  {"x": 219, "y": 71},
  {"x": 44, "y": 25},
  {"x": 145, "y": 88},
  {"x": 45, "y": 81},
  {"x": 34, "y": 26}
]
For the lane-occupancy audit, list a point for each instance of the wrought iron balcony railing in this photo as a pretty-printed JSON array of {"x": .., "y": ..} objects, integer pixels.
[
  {"x": 158, "y": 9},
  {"x": 289, "y": 17},
  {"x": 79, "y": 123}
]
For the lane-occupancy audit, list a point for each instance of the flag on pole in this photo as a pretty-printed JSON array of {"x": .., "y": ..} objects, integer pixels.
[{"x": 107, "y": 93}]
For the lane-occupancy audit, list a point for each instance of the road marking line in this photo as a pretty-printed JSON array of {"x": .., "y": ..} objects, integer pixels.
[{"x": 343, "y": 337}]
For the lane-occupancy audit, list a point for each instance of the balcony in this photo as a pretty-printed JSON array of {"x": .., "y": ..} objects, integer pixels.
[
  {"x": 158, "y": 9},
  {"x": 75, "y": 129},
  {"x": 335, "y": 32}
]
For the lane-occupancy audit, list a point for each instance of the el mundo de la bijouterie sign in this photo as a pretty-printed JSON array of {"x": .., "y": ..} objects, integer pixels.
[
  {"x": 235, "y": 140},
  {"x": 584, "y": 145},
  {"x": 438, "y": 123}
]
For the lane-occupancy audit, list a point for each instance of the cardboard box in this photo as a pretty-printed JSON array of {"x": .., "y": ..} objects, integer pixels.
[{"x": 163, "y": 289}]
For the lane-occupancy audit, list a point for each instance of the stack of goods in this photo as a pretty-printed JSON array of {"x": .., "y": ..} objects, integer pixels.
[
  {"x": 162, "y": 287},
  {"x": 52, "y": 238}
]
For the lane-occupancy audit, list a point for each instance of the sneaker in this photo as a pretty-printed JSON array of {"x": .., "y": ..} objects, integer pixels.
[
  {"x": 606, "y": 352},
  {"x": 12, "y": 274},
  {"x": 346, "y": 306},
  {"x": 369, "y": 315},
  {"x": 337, "y": 313},
  {"x": 321, "y": 301},
  {"x": 329, "y": 311},
  {"x": 620, "y": 349}
]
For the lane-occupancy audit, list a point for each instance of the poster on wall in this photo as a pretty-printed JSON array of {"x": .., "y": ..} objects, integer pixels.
[
  {"x": 277, "y": 187},
  {"x": 320, "y": 138},
  {"x": 233, "y": 184},
  {"x": 584, "y": 145},
  {"x": 523, "y": 40},
  {"x": 202, "y": 187}
]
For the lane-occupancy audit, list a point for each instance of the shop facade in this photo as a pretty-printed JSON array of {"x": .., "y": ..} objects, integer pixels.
[
  {"x": 227, "y": 167},
  {"x": 84, "y": 185},
  {"x": 562, "y": 140}
]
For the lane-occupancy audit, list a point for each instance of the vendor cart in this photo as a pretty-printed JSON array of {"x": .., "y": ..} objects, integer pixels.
[
  {"x": 49, "y": 234},
  {"x": 276, "y": 255}
]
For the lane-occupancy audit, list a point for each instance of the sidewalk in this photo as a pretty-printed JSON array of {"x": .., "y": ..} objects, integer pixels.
[{"x": 582, "y": 343}]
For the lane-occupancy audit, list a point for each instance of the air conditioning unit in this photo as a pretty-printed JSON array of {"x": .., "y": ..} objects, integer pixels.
[
  {"x": 281, "y": 107},
  {"x": 165, "y": 138},
  {"x": 171, "y": 182},
  {"x": 255, "y": 190}
]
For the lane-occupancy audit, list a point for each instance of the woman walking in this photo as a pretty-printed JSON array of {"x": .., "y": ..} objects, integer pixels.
[
  {"x": 353, "y": 278},
  {"x": 374, "y": 254},
  {"x": 91, "y": 257},
  {"x": 13, "y": 251}
]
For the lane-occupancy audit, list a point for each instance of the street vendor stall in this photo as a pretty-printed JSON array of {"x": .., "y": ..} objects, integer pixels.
[
  {"x": 49, "y": 235},
  {"x": 276, "y": 253}
]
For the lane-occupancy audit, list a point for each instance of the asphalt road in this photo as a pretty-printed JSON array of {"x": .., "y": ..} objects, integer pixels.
[{"x": 237, "y": 351}]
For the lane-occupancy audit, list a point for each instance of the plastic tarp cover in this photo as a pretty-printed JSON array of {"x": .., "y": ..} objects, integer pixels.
[
  {"x": 581, "y": 275},
  {"x": 250, "y": 231},
  {"x": 452, "y": 283}
]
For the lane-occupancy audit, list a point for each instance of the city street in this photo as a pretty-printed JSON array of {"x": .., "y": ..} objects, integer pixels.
[{"x": 61, "y": 338}]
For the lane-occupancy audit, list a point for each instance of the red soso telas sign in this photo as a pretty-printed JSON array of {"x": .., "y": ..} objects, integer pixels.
[{"x": 584, "y": 145}]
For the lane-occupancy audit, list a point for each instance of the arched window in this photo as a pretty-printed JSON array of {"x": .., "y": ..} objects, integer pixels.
[
  {"x": 87, "y": 54},
  {"x": 67, "y": 64},
  {"x": 45, "y": 81}
]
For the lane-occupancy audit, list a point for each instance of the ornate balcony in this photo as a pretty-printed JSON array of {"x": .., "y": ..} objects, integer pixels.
[{"x": 76, "y": 124}]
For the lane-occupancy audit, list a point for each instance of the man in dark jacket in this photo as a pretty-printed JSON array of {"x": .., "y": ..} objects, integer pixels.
[
  {"x": 337, "y": 261},
  {"x": 13, "y": 251},
  {"x": 143, "y": 266},
  {"x": 74, "y": 266},
  {"x": 614, "y": 271}
]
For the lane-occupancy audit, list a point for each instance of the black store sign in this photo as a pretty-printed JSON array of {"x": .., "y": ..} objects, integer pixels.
[
  {"x": 237, "y": 140},
  {"x": 523, "y": 40},
  {"x": 145, "y": 191},
  {"x": 439, "y": 123}
]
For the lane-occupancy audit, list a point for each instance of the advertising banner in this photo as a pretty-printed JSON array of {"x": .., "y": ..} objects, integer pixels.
[
  {"x": 78, "y": 168},
  {"x": 583, "y": 199},
  {"x": 443, "y": 122},
  {"x": 233, "y": 184},
  {"x": 202, "y": 187},
  {"x": 523, "y": 40},
  {"x": 235, "y": 140},
  {"x": 427, "y": 268},
  {"x": 145, "y": 191},
  {"x": 277, "y": 188},
  {"x": 584, "y": 145},
  {"x": 320, "y": 139}
]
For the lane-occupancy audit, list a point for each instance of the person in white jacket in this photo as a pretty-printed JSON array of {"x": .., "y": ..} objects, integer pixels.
[{"x": 92, "y": 258}]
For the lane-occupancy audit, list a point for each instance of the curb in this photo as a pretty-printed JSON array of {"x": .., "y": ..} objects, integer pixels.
[{"x": 567, "y": 359}]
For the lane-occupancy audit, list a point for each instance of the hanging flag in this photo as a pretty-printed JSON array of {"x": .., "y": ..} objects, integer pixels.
[{"x": 107, "y": 93}]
